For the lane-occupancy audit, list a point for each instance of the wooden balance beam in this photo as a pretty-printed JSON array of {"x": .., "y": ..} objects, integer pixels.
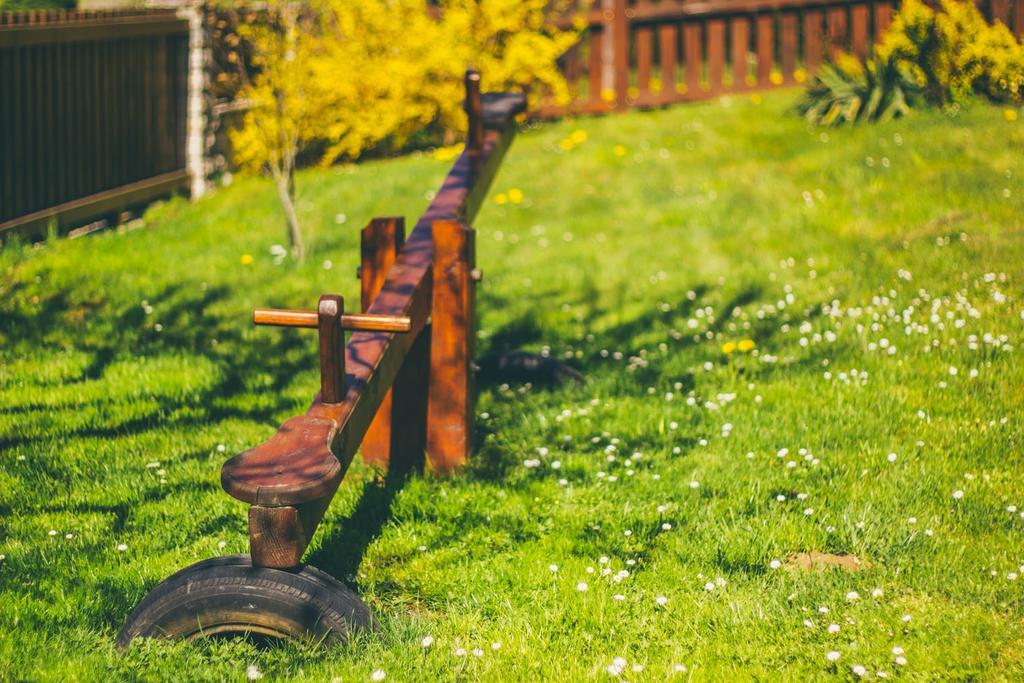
[{"x": 403, "y": 384}]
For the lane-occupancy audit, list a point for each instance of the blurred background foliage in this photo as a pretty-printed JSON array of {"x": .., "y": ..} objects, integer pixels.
[
  {"x": 939, "y": 56},
  {"x": 331, "y": 80}
]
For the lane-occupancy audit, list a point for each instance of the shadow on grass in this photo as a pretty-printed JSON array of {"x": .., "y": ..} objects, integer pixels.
[
  {"x": 187, "y": 326},
  {"x": 341, "y": 552},
  {"x": 190, "y": 327}
]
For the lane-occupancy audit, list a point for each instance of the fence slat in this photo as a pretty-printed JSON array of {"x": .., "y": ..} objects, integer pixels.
[
  {"x": 644, "y": 60},
  {"x": 594, "y": 64},
  {"x": 859, "y": 30},
  {"x": 693, "y": 54},
  {"x": 668, "y": 46},
  {"x": 38, "y": 95},
  {"x": 620, "y": 60},
  {"x": 572, "y": 68},
  {"x": 765, "y": 48},
  {"x": 1000, "y": 10},
  {"x": 883, "y": 18},
  {"x": 716, "y": 54},
  {"x": 740, "y": 47},
  {"x": 835, "y": 18},
  {"x": 812, "y": 40},
  {"x": 789, "y": 45}
]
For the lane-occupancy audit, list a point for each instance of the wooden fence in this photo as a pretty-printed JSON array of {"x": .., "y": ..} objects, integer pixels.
[
  {"x": 646, "y": 53},
  {"x": 92, "y": 113}
]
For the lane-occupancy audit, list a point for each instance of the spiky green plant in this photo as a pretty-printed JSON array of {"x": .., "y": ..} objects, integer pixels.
[{"x": 848, "y": 91}]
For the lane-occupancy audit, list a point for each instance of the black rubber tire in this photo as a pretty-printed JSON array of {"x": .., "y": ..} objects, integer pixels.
[{"x": 228, "y": 596}]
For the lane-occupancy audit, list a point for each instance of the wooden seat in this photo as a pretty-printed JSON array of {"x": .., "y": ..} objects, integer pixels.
[{"x": 294, "y": 466}]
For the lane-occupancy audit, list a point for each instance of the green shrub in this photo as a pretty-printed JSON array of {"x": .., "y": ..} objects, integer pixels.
[
  {"x": 941, "y": 57},
  {"x": 848, "y": 91},
  {"x": 954, "y": 53}
]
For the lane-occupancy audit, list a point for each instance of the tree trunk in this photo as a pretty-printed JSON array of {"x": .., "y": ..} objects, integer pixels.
[{"x": 285, "y": 183}]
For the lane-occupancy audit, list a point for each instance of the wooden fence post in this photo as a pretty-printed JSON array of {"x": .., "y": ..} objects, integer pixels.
[
  {"x": 620, "y": 54},
  {"x": 451, "y": 398}
]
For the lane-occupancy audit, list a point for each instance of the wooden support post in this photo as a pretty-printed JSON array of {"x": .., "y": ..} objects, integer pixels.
[
  {"x": 475, "y": 114},
  {"x": 380, "y": 242},
  {"x": 279, "y": 535},
  {"x": 409, "y": 403},
  {"x": 451, "y": 397},
  {"x": 332, "y": 348}
]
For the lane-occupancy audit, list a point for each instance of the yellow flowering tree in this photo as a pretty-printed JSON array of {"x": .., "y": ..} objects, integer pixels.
[
  {"x": 511, "y": 42},
  {"x": 283, "y": 115},
  {"x": 336, "y": 78},
  {"x": 376, "y": 64},
  {"x": 954, "y": 53}
]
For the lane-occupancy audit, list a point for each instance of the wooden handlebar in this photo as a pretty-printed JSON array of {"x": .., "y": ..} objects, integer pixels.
[{"x": 357, "y": 322}]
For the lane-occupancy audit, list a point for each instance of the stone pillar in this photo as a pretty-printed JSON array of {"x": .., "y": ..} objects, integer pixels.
[
  {"x": 195, "y": 146},
  {"x": 195, "y": 106}
]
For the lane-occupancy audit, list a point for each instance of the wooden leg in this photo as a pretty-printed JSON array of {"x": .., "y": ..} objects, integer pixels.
[
  {"x": 381, "y": 240},
  {"x": 409, "y": 407},
  {"x": 279, "y": 535},
  {"x": 451, "y": 394}
]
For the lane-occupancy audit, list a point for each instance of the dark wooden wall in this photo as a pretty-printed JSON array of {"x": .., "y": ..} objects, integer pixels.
[{"x": 92, "y": 113}]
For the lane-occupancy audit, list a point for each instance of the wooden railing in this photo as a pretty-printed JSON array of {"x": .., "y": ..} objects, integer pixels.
[
  {"x": 644, "y": 53},
  {"x": 92, "y": 113}
]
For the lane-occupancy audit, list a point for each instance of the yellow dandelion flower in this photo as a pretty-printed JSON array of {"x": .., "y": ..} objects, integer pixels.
[
  {"x": 501, "y": 198},
  {"x": 619, "y": 150},
  {"x": 746, "y": 345},
  {"x": 633, "y": 92},
  {"x": 682, "y": 89},
  {"x": 515, "y": 195},
  {"x": 755, "y": 98},
  {"x": 246, "y": 259},
  {"x": 608, "y": 95},
  {"x": 728, "y": 347},
  {"x": 799, "y": 75},
  {"x": 578, "y": 136},
  {"x": 775, "y": 77},
  {"x": 566, "y": 144},
  {"x": 1010, "y": 115}
]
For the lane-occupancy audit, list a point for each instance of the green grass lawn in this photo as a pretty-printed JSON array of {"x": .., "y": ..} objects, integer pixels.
[{"x": 655, "y": 514}]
